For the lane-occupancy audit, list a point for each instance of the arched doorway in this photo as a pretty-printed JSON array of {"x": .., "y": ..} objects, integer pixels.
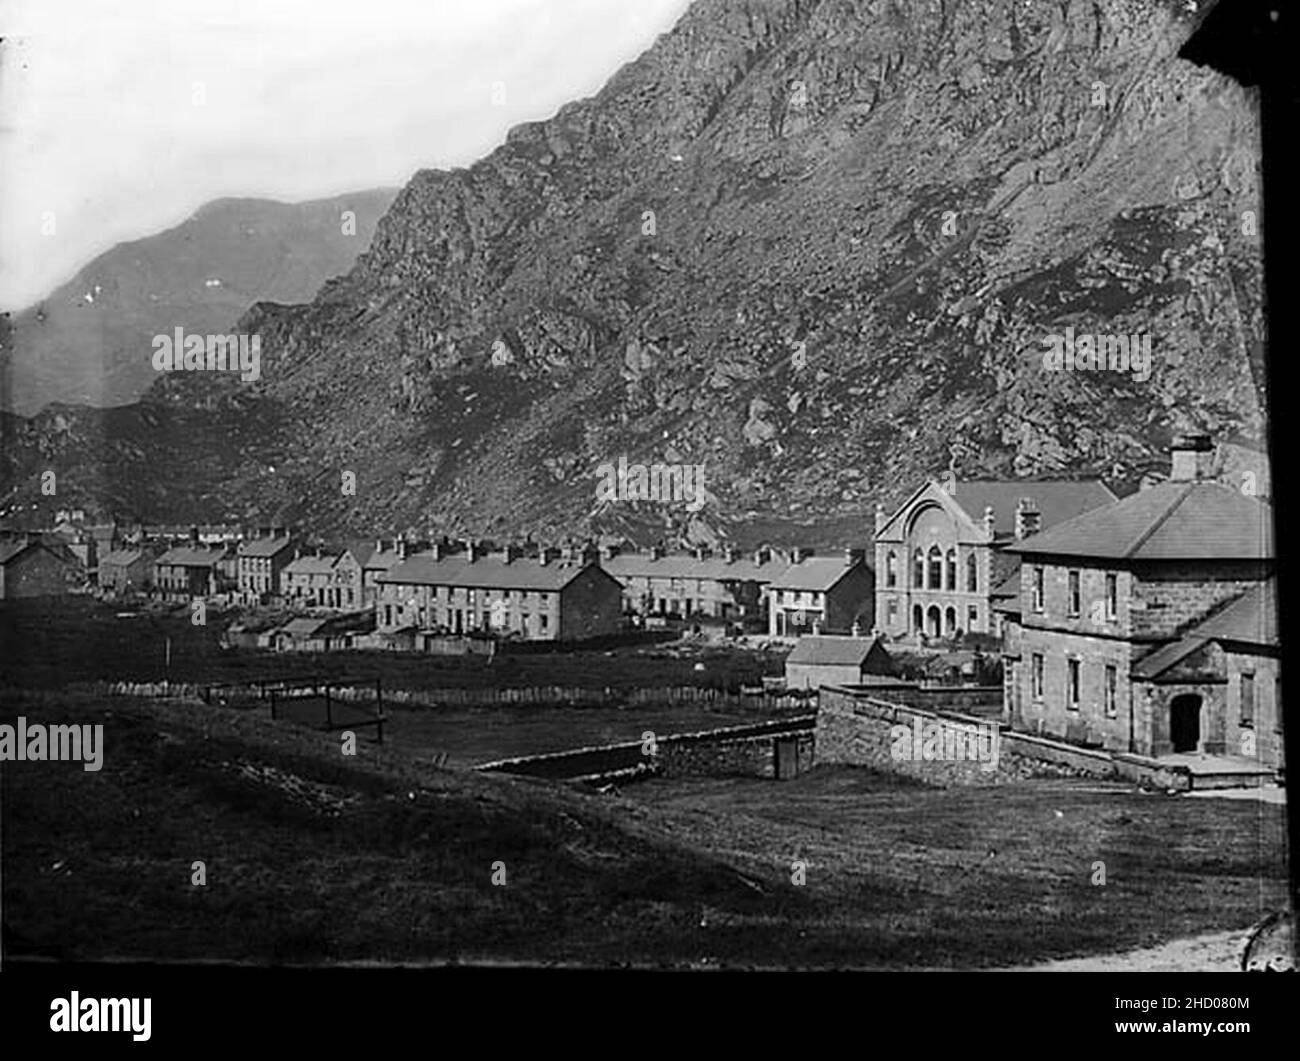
[
  {"x": 932, "y": 620},
  {"x": 918, "y": 623},
  {"x": 950, "y": 621},
  {"x": 1185, "y": 722}
]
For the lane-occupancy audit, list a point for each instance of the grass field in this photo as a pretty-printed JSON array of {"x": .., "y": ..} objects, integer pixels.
[
  {"x": 311, "y": 856},
  {"x": 51, "y": 646}
]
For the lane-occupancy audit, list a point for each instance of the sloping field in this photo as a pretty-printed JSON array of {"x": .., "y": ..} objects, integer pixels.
[{"x": 313, "y": 856}]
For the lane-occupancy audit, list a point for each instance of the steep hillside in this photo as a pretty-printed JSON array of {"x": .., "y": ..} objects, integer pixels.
[
  {"x": 815, "y": 246},
  {"x": 89, "y": 342}
]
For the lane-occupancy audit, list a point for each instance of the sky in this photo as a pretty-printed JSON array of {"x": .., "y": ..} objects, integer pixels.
[{"x": 120, "y": 118}]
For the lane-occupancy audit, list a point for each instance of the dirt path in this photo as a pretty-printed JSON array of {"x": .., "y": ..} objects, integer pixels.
[{"x": 1216, "y": 952}]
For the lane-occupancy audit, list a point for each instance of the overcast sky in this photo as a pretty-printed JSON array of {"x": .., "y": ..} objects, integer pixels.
[{"x": 119, "y": 118}]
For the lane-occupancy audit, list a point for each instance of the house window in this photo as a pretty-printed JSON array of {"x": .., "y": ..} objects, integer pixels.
[
  {"x": 1072, "y": 684},
  {"x": 972, "y": 574},
  {"x": 1038, "y": 589},
  {"x": 1112, "y": 596},
  {"x": 1075, "y": 602},
  {"x": 950, "y": 582},
  {"x": 1247, "y": 699},
  {"x": 546, "y": 621},
  {"x": 918, "y": 570},
  {"x": 891, "y": 569},
  {"x": 936, "y": 568},
  {"x": 1036, "y": 675},
  {"x": 388, "y": 615},
  {"x": 891, "y": 609},
  {"x": 1112, "y": 688}
]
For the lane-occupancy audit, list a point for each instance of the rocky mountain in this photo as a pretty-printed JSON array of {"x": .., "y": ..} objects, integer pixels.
[
  {"x": 89, "y": 342},
  {"x": 814, "y": 246}
]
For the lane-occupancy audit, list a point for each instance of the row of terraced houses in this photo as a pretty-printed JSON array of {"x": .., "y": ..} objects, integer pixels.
[{"x": 1144, "y": 624}]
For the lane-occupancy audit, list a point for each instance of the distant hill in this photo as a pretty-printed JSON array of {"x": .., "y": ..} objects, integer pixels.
[
  {"x": 817, "y": 249},
  {"x": 89, "y": 342}
]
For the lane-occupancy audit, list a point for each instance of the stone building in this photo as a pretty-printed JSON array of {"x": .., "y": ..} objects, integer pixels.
[
  {"x": 1135, "y": 618},
  {"x": 822, "y": 594},
  {"x": 728, "y": 585},
  {"x": 323, "y": 580},
  {"x": 831, "y": 660},
  {"x": 539, "y": 599},
  {"x": 31, "y": 568},
  {"x": 943, "y": 551},
  {"x": 261, "y": 559}
]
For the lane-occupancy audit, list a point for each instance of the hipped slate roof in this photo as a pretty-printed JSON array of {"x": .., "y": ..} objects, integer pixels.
[
  {"x": 1169, "y": 521},
  {"x": 488, "y": 572},
  {"x": 817, "y": 573}
]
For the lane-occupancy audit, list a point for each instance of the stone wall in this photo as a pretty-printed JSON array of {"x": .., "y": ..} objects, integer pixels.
[
  {"x": 856, "y": 729},
  {"x": 745, "y": 757}
]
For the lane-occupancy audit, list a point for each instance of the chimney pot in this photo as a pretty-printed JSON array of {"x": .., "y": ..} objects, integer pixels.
[{"x": 881, "y": 517}]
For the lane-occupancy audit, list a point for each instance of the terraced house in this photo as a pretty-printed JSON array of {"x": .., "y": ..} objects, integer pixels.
[
  {"x": 1149, "y": 625},
  {"x": 942, "y": 553},
  {"x": 822, "y": 594},
  {"x": 540, "y": 599},
  {"x": 261, "y": 559},
  {"x": 726, "y": 586},
  {"x": 322, "y": 580}
]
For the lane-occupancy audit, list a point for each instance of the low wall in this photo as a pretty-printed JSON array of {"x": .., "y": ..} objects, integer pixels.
[
  {"x": 982, "y": 700},
  {"x": 746, "y": 757},
  {"x": 854, "y": 728}
]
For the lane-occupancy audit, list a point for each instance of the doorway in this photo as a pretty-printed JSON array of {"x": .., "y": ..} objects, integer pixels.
[{"x": 1185, "y": 722}]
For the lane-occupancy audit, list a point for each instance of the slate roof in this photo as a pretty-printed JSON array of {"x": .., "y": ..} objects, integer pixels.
[
  {"x": 1005, "y": 596},
  {"x": 125, "y": 557},
  {"x": 1057, "y": 500},
  {"x": 264, "y": 546},
  {"x": 488, "y": 572},
  {"x": 1251, "y": 619},
  {"x": 188, "y": 556},
  {"x": 688, "y": 566},
  {"x": 302, "y": 627},
  {"x": 10, "y": 550},
  {"x": 829, "y": 650},
  {"x": 818, "y": 573},
  {"x": 311, "y": 565},
  {"x": 1170, "y": 521}
]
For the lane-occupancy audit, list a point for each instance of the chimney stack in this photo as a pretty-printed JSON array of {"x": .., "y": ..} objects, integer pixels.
[
  {"x": 611, "y": 551},
  {"x": 990, "y": 521},
  {"x": 471, "y": 550},
  {"x": 702, "y": 552},
  {"x": 762, "y": 555},
  {"x": 1028, "y": 519},
  {"x": 856, "y": 630},
  {"x": 881, "y": 517},
  {"x": 510, "y": 553},
  {"x": 401, "y": 548},
  {"x": 854, "y": 556},
  {"x": 1192, "y": 456},
  {"x": 546, "y": 554},
  {"x": 729, "y": 554},
  {"x": 656, "y": 552}
]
